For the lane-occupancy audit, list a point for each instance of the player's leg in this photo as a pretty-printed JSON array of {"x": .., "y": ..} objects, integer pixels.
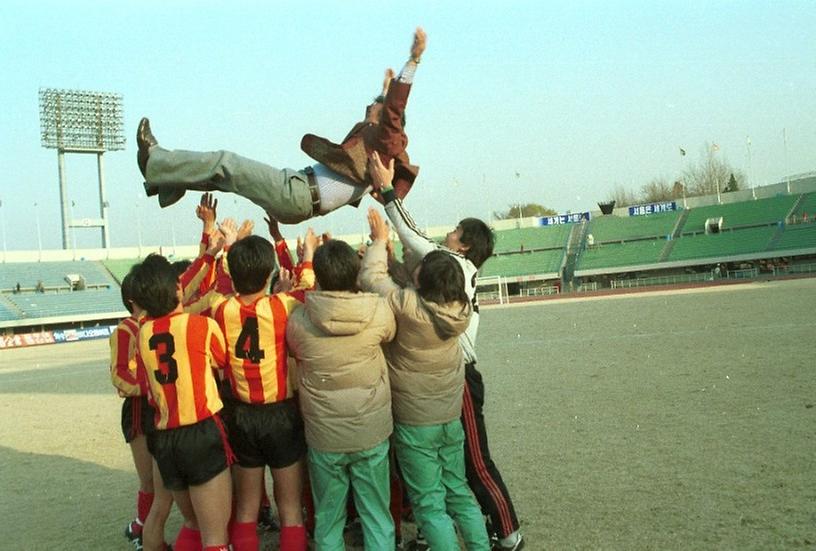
[
  {"x": 459, "y": 500},
  {"x": 482, "y": 474},
  {"x": 418, "y": 455},
  {"x": 153, "y": 530},
  {"x": 370, "y": 476},
  {"x": 189, "y": 536},
  {"x": 212, "y": 502},
  {"x": 288, "y": 488},
  {"x": 330, "y": 486},
  {"x": 248, "y": 490},
  {"x": 134, "y": 412}
]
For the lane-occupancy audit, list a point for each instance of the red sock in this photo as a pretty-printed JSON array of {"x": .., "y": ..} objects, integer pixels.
[
  {"x": 143, "y": 503},
  {"x": 187, "y": 540},
  {"x": 244, "y": 537},
  {"x": 293, "y": 538},
  {"x": 224, "y": 547}
]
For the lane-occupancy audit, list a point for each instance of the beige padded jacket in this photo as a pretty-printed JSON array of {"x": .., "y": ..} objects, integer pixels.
[
  {"x": 425, "y": 361},
  {"x": 336, "y": 340}
]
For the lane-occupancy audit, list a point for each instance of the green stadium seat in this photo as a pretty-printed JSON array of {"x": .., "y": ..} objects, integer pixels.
[
  {"x": 728, "y": 243},
  {"x": 623, "y": 228},
  {"x": 629, "y": 253},
  {"x": 745, "y": 213}
]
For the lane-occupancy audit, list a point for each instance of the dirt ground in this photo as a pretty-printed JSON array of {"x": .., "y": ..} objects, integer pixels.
[{"x": 660, "y": 421}]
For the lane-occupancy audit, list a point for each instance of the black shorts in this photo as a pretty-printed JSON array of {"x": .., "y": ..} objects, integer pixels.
[
  {"x": 192, "y": 454},
  {"x": 267, "y": 434},
  {"x": 137, "y": 417}
]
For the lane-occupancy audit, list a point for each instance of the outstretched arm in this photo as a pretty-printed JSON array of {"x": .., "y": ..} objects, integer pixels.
[{"x": 410, "y": 235}]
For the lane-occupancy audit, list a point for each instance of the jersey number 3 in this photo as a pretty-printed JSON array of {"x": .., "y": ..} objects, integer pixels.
[
  {"x": 168, "y": 368},
  {"x": 248, "y": 345}
]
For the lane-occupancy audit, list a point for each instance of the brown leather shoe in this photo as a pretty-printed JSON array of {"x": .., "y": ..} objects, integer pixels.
[{"x": 144, "y": 141}]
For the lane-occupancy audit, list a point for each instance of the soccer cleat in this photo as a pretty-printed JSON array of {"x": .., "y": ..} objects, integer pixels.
[
  {"x": 133, "y": 531},
  {"x": 266, "y": 521},
  {"x": 137, "y": 544},
  {"x": 518, "y": 546}
]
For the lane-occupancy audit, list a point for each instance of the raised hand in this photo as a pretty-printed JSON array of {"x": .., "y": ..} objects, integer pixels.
[
  {"x": 246, "y": 229},
  {"x": 418, "y": 47},
  {"x": 274, "y": 228},
  {"x": 230, "y": 230},
  {"x": 379, "y": 227},
  {"x": 381, "y": 177},
  {"x": 310, "y": 243},
  {"x": 284, "y": 283},
  {"x": 206, "y": 211}
]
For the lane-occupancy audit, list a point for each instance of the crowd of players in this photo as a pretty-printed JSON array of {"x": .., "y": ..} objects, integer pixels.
[{"x": 352, "y": 363}]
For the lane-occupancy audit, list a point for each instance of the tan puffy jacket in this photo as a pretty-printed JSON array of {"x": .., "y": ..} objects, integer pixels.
[
  {"x": 345, "y": 399},
  {"x": 426, "y": 364}
]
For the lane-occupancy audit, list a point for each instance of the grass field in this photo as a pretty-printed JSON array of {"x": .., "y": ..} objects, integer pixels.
[{"x": 661, "y": 421}]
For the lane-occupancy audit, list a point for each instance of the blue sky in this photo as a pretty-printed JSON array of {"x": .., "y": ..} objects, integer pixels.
[{"x": 575, "y": 97}]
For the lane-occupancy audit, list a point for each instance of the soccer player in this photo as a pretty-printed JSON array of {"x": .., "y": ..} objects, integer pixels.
[
  {"x": 175, "y": 354},
  {"x": 265, "y": 425},
  {"x": 137, "y": 415},
  {"x": 426, "y": 368},
  {"x": 345, "y": 399},
  {"x": 470, "y": 244}
]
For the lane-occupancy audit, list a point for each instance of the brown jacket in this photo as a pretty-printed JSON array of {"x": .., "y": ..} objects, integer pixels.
[
  {"x": 350, "y": 158},
  {"x": 425, "y": 362},
  {"x": 345, "y": 398}
]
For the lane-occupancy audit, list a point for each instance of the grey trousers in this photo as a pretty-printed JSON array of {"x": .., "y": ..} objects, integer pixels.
[{"x": 282, "y": 193}]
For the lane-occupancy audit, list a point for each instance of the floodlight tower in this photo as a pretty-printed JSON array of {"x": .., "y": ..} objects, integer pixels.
[{"x": 80, "y": 121}]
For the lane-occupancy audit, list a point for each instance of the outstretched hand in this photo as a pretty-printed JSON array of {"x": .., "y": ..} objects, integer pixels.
[
  {"x": 246, "y": 229},
  {"x": 285, "y": 282},
  {"x": 230, "y": 230},
  {"x": 310, "y": 244},
  {"x": 379, "y": 227},
  {"x": 206, "y": 211},
  {"x": 274, "y": 228},
  {"x": 381, "y": 177},
  {"x": 418, "y": 47}
]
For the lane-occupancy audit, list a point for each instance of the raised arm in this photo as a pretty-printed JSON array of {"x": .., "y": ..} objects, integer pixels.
[
  {"x": 374, "y": 267},
  {"x": 410, "y": 235}
]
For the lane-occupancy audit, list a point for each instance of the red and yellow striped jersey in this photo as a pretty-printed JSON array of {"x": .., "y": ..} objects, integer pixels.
[
  {"x": 176, "y": 354},
  {"x": 256, "y": 346},
  {"x": 123, "y": 358}
]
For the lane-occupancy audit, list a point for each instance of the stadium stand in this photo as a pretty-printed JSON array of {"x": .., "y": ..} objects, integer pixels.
[
  {"x": 807, "y": 206},
  {"x": 7, "y": 311},
  {"x": 620, "y": 254},
  {"x": 745, "y": 213},
  {"x": 728, "y": 243},
  {"x": 119, "y": 267},
  {"x": 91, "y": 301},
  {"x": 623, "y": 228},
  {"x": 52, "y": 274},
  {"x": 544, "y": 237},
  {"x": 532, "y": 263},
  {"x": 797, "y": 237}
]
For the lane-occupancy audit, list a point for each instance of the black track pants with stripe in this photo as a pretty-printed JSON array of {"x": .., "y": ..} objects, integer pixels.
[{"x": 482, "y": 474}]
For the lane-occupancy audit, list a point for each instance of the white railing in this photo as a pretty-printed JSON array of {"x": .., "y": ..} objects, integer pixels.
[{"x": 661, "y": 280}]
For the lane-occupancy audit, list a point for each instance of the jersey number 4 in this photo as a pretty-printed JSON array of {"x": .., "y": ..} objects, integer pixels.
[
  {"x": 248, "y": 345},
  {"x": 168, "y": 368}
]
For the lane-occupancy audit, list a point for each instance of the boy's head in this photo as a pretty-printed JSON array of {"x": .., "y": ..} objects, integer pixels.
[
  {"x": 336, "y": 266},
  {"x": 155, "y": 286},
  {"x": 474, "y": 239},
  {"x": 180, "y": 266},
  {"x": 441, "y": 279},
  {"x": 251, "y": 262},
  {"x": 127, "y": 291}
]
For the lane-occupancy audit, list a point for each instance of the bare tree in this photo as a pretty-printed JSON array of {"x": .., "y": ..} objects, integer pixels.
[
  {"x": 656, "y": 191},
  {"x": 523, "y": 211},
  {"x": 623, "y": 197},
  {"x": 711, "y": 173}
]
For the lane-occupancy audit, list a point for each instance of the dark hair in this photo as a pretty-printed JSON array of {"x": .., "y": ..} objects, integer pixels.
[
  {"x": 479, "y": 237},
  {"x": 127, "y": 291},
  {"x": 180, "y": 266},
  {"x": 155, "y": 285},
  {"x": 251, "y": 261},
  {"x": 336, "y": 266},
  {"x": 441, "y": 279}
]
